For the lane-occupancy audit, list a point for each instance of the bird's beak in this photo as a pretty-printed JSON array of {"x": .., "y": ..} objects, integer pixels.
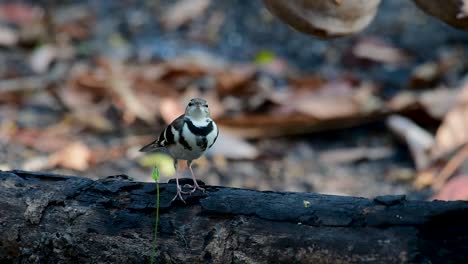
[{"x": 198, "y": 111}]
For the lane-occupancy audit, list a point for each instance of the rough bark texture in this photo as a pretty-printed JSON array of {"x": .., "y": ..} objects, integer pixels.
[{"x": 48, "y": 218}]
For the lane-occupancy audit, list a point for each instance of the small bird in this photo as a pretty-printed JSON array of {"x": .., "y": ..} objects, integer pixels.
[{"x": 188, "y": 137}]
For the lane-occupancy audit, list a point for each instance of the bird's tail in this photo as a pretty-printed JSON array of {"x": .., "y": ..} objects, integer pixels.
[{"x": 151, "y": 146}]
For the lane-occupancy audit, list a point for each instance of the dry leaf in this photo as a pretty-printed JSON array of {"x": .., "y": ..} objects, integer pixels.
[
  {"x": 451, "y": 141},
  {"x": 170, "y": 109},
  {"x": 451, "y": 167},
  {"x": 183, "y": 12},
  {"x": 311, "y": 82},
  {"x": 379, "y": 51},
  {"x": 45, "y": 140},
  {"x": 453, "y": 132},
  {"x": 349, "y": 155},
  {"x": 449, "y": 11},
  {"x": 438, "y": 102},
  {"x": 251, "y": 125},
  {"x": 92, "y": 118},
  {"x": 196, "y": 63},
  {"x": 121, "y": 84},
  {"x": 455, "y": 189},
  {"x": 335, "y": 105},
  {"x": 234, "y": 81},
  {"x": 331, "y": 101},
  {"x": 425, "y": 75},
  {"x": 325, "y": 18},
  {"x": 85, "y": 108},
  {"x": 402, "y": 100},
  {"x": 42, "y": 57},
  {"x": 425, "y": 177},
  {"x": 37, "y": 163},
  {"x": 75, "y": 156},
  {"x": 75, "y": 21},
  {"x": 20, "y": 13},
  {"x": 463, "y": 10},
  {"x": 231, "y": 146},
  {"x": 8, "y": 36},
  {"x": 419, "y": 141},
  {"x": 325, "y": 107}
]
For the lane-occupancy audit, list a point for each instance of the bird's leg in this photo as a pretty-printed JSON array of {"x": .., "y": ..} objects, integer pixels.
[
  {"x": 179, "y": 189},
  {"x": 195, "y": 184}
]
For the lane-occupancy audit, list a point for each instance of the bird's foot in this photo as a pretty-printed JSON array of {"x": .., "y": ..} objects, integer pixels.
[
  {"x": 195, "y": 187},
  {"x": 179, "y": 194}
]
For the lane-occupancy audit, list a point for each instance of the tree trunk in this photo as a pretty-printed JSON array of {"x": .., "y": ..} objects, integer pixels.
[{"x": 46, "y": 218}]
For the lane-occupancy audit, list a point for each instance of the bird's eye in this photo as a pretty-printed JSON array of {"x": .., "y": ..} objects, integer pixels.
[
  {"x": 190, "y": 104},
  {"x": 205, "y": 105}
]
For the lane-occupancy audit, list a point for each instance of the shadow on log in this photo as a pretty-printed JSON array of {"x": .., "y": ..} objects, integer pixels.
[{"x": 46, "y": 218}]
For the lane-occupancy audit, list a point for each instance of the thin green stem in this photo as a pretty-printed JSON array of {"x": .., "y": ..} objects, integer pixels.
[{"x": 155, "y": 177}]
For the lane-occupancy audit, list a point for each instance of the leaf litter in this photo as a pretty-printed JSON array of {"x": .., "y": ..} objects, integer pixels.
[{"x": 105, "y": 101}]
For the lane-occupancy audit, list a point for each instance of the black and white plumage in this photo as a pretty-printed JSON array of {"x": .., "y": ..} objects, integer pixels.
[{"x": 188, "y": 137}]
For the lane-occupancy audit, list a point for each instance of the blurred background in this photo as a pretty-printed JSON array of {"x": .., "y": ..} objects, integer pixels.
[{"x": 85, "y": 84}]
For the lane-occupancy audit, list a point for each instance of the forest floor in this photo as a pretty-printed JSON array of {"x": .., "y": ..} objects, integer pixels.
[{"x": 84, "y": 86}]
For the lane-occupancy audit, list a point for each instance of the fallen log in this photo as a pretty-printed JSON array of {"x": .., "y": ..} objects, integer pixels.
[{"x": 47, "y": 218}]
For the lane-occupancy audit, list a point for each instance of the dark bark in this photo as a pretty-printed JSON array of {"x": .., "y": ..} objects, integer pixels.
[{"x": 48, "y": 218}]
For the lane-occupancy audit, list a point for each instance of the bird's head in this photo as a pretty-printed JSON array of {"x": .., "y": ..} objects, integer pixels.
[{"x": 197, "y": 109}]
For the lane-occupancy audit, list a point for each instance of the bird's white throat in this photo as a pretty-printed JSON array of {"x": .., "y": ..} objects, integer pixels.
[{"x": 199, "y": 122}]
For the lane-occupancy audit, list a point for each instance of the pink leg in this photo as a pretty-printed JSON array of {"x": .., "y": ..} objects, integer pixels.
[
  {"x": 195, "y": 184},
  {"x": 179, "y": 189}
]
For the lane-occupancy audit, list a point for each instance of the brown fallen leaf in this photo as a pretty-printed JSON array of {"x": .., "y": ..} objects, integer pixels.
[
  {"x": 36, "y": 163},
  {"x": 463, "y": 10},
  {"x": 92, "y": 118},
  {"x": 8, "y": 37},
  {"x": 232, "y": 146},
  {"x": 45, "y": 140},
  {"x": 425, "y": 75},
  {"x": 75, "y": 21},
  {"x": 234, "y": 80},
  {"x": 453, "y": 132},
  {"x": 336, "y": 104},
  {"x": 170, "y": 109},
  {"x": 425, "y": 177},
  {"x": 20, "y": 13},
  {"x": 311, "y": 82},
  {"x": 402, "y": 100},
  {"x": 325, "y": 107},
  {"x": 419, "y": 140},
  {"x": 75, "y": 156},
  {"x": 261, "y": 125},
  {"x": 451, "y": 167},
  {"x": 435, "y": 102},
  {"x": 122, "y": 85},
  {"x": 325, "y": 18},
  {"x": 87, "y": 105},
  {"x": 455, "y": 189},
  {"x": 448, "y": 11},
  {"x": 349, "y": 155},
  {"x": 42, "y": 57},
  {"x": 449, "y": 150},
  {"x": 438, "y": 102},
  {"x": 377, "y": 50},
  {"x": 183, "y": 12},
  {"x": 332, "y": 100},
  {"x": 195, "y": 63}
]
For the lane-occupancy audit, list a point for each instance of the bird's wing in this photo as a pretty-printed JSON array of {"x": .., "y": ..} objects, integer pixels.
[
  {"x": 166, "y": 137},
  {"x": 216, "y": 137},
  {"x": 178, "y": 123}
]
